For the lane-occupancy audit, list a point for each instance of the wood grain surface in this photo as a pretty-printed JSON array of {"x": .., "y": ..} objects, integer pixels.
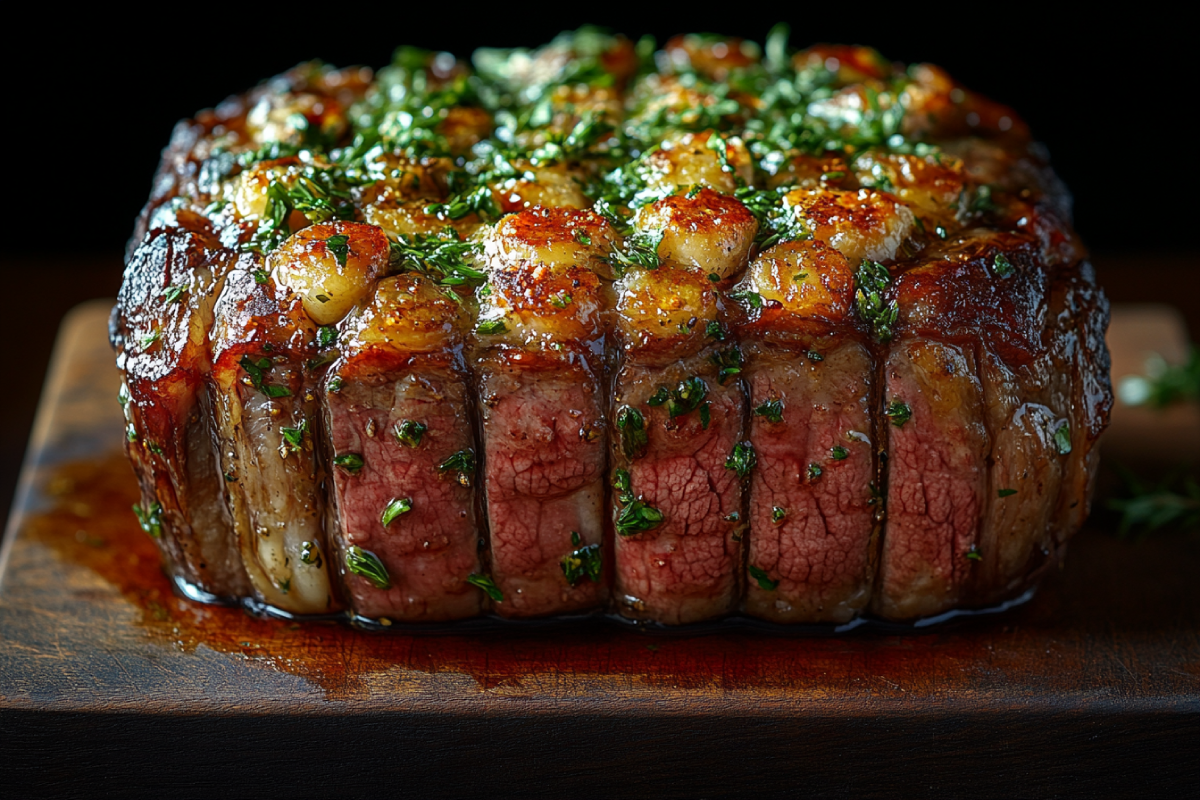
[{"x": 110, "y": 684}]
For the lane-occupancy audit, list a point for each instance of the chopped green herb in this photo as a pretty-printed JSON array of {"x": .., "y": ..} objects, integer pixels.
[
  {"x": 488, "y": 586},
  {"x": 777, "y": 514},
  {"x": 714, "y": 277},
  {"x": 293, "y": 438},
  {"x": 974, "y": 553},
  {"x": 776, "y": 222},
  {"x": 443, "y": 257},
  {"x": 660, "y": 396},
  {"x": 230, "y": 478},
  {"x": 771, "y": 411},
  {"x": 763, "y": 579},
  {"x": 395, "y": 507},
  {"x": 641, "y": 250},
  {"x": 488, "y": 327},
  {"x": 310, "y": 554},
  {"x": 151, "y": 338},
  {"x": 941, "y": 232},
  {"x": 327, "y": 336},
  {"x": 323, "y": 298},
  {"x": 814, "y": 471},
  {"x": 721, "y": 147},
  {"x": 320, "y": 194},
  {"x": 321, "y": 360},
  {"x": 172, "y": 294},
  {"x": 898, "y": 412},
  {"x": 582, "y": 238},
  {"x": 729, "y": 363},
  {"x": 339, "y": 245},
  {"x": 983, "y": 199},
  {"x": 777, "y": 58},
  {"x": 742, "y": 459},
  {"x": 1006, "y": 492},
  {"x": 624, "y": 486},
  {"x": 462, "y": 463},
  {"x": 634, "y": 437},
  {"x": 476, "y": 201},
  {"x": 131, "y": 433},
  {"x": 687, "y": 396},
  {"x": 335, "y": 384},
  {"x": 261, "y": 276},
  {"x": 838, "y": 453},
  {"x": 1062, "y": 438},
  {"x": 705, "y": 415},
  {"x": 560, "y": 300},
  {"x": 256, "y": 369},
  {"x": 1002, "y": 266},
  {"x": 150, "y": 518},
  {"x": 752, "y": 299},
  {"x": 366, "y": 564},
  {"x": 713, "y": 330},
  {"x": 351, "y": 462},
  {"x": 582, "y": 562},
  {"x": 813, "y": 355},
  {"x": 871, "y": 282},
  {"x": 154, "y": 448},
  {"x": 409, "y": 432},
  {"x": 638, "y": 517}
]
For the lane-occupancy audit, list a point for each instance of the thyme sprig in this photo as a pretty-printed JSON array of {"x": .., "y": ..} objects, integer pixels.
[
  {"x": 1170, "y": 504},
  {"x": 1163, "y": 384}
]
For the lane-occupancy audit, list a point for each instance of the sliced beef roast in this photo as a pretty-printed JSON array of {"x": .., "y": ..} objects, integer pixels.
[{"x": 588, "y": 330}]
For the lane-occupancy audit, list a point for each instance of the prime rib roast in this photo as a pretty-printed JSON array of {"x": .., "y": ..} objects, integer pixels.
[{"x": 680, "y": 334}]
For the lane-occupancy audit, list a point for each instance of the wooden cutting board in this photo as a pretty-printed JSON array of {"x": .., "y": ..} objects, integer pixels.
[{"x": 111, "y": 684}]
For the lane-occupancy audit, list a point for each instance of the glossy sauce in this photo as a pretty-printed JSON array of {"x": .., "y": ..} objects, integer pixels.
[{"x": 88, "y": 526}]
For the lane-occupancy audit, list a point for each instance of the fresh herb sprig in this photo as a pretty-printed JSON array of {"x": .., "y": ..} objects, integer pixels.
[
  {"x": 1163, "y": 384},
  {"x": 1170, "y": 504}
]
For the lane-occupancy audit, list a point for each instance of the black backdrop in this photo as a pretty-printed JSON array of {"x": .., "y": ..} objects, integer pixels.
[{"x": 92, "y": 99}]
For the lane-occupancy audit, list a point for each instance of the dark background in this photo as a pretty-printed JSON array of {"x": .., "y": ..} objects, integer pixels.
[
  {"x": 1106, "y": 95},
  {"x": 92, "y": 99}
]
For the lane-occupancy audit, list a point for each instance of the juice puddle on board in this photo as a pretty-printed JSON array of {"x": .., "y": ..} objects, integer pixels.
[{"x": 89, "y": 526}]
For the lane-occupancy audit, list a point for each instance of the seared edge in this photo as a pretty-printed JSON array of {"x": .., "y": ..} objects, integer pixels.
[
  {"x": 267, "y": 419},
  {"x": 163, "y": 316}
]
